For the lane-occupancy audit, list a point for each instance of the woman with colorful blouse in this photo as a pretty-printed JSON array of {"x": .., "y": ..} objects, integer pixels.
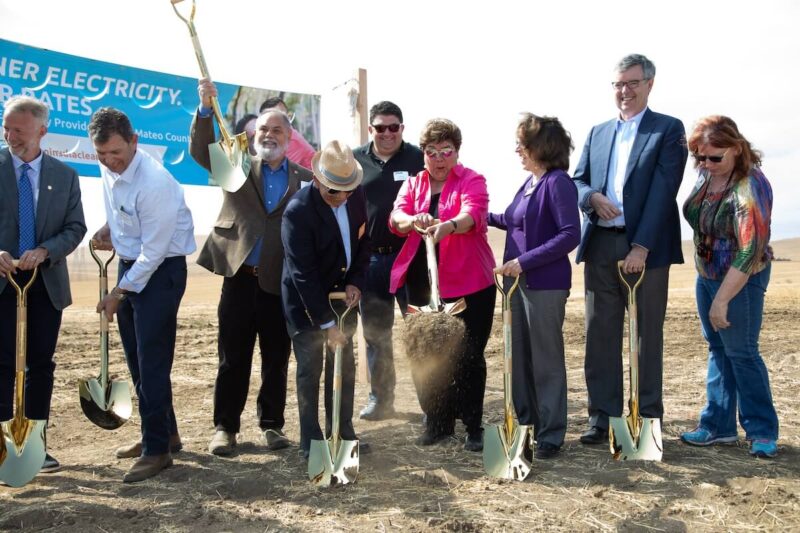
[{"x": 729, "y": 210}]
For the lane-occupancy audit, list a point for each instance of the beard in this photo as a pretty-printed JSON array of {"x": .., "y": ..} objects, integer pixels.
[{"x": 269, "y": 151}]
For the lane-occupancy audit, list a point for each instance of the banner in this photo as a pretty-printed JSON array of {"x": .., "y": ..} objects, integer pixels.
[{"x": 159, "y": 105}]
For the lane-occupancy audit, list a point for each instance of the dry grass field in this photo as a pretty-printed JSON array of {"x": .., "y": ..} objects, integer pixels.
[{"x": 403, "y": 487}]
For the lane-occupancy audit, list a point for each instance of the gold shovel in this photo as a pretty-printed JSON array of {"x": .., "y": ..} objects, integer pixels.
[
  {"x": 22, "y": 449},
  {"x": 634, "y": 437},
  {"x": 105, "y": 403},
  {"x": 230, "y": 160},
  {"x": 507, "y": 451},
  {"x": 334, "y": 461},
  {"x": 436, "y": 305}
]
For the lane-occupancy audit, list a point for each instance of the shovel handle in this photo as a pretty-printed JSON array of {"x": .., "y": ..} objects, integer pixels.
[
  {"x": 103, "y": 265},
  {"x": 22, "y": 316}
]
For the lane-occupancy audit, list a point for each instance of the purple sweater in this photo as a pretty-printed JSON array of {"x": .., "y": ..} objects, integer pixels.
[{"x": 542, "y": 227}]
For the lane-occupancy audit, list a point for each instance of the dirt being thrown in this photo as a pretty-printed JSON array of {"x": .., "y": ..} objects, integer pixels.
[{"x": 433, "y": 336}]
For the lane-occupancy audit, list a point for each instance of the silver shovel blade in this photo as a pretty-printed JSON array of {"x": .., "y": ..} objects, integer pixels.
[
  {"x": 507, "y": 460},
  {"x": 647, "y": 447},
  {"x": 229, "y": 171},
  {"x": 326, "y": 469},
  {"x": 109, "y": 408},
  {"x": 25, "y": 450}
]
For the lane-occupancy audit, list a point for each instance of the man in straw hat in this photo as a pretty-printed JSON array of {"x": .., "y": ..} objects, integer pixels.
[{"x": 326, "y": 250}]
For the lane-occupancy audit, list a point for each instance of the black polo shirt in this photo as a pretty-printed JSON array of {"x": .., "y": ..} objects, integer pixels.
[{"x": 381, "y": 183}]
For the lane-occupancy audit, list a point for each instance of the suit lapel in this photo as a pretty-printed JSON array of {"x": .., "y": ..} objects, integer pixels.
[
  {"x": 326, "y": 212},
  {"x": 292, "y": 186},
  {"x": 642, "y": 135},
  {"x": 607, "y": 144},
  {"x": 8, "y": 185},
  {"x": 47, "y": 187},
  {"x": 258, "y": 181}
]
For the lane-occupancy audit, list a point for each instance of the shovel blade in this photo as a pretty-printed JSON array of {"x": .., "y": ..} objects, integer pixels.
[
  {"x": 23, "y": 441},
  {"x": 454, "y": 308},
  {"x": 327, "y": 469},
  {"x": 109, "y": 408},
  {"x": 507, "y": 460},
  {"x": 646, "y": 447},
  {"x": 229, "y": 164}
]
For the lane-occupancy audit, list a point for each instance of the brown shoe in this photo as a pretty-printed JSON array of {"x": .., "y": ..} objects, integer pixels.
[
  {"x": 275, "y": 438},
  {"x": 146, "y": 467},
  {"x": 132, "y": 451},
  {"x": 222, "y": 443}
]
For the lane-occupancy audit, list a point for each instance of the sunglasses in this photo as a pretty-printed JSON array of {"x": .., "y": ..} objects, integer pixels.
[
  {"x": 436, "y": 154},
  {"x": 711, "y": 158},
  {"x": 334, "y": 192},
  {"x": 380, "y": 128}
]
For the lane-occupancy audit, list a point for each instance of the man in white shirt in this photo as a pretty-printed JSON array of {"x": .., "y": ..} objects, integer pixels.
[{"x": 151, "y": 229}]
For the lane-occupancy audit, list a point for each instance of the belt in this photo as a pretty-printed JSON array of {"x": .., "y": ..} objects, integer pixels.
[
  {"x": 614, "y": 229},
  {"x": 383, "y": 250},
  {"x": 248, "y": 269}
]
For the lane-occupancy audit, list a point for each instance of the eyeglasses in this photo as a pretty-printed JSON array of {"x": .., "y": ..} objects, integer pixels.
[
  {"x": 711, "y": 158},
  {"x": 436, "y": 154},
  {"x": 380, "y": 128},
  {"x": 334, "y": 192},
  {"x": 632, "y": 84}
]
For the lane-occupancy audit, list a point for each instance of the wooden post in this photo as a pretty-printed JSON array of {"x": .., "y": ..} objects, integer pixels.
[{"x": 361, "y": 135}]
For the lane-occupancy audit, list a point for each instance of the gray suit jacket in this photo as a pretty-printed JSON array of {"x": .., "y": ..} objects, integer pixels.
[
  {"x": 60, "y": 226},
  {"x": 243, "y": 218}
]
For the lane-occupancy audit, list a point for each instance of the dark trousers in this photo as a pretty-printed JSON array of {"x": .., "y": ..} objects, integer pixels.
[
  {"x": 245, "y": 311},
  {"x": 308, "y": 348},
  {"x": 463, "y": 394},
  {"x": 606, "y": 300},
  {"x": 377, "y": 314},
  {"x": 148, "y": 322},
  {"x": 44, "y": 322},
  {"x": 539, "y": 379}
]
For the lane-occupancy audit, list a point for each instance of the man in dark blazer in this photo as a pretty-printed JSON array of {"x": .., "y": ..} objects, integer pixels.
[
  {"x": 245, "y": 247},
  {"x": 327, "y": 250},
  {"x": 41, "y": 222},
  {"x": 628, "y": 177}
]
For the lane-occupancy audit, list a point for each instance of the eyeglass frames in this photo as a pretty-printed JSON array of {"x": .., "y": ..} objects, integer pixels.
[{"x": 381, "y": 128}]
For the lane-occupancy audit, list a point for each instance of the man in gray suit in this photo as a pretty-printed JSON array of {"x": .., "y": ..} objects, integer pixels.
[
  {"x": 41, "y": 222},
  {"x": 245, "y": 247},
  {"x": 627, "y": 179}
]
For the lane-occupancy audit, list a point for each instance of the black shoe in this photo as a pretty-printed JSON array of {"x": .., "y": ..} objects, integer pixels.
[
  {"x": 303, "y": 454},
  {"x": 474, "y": 442},
  {"x": 375, "y": 410},
  {"x": 595, "y": 435},
  {"x": 364, "y": 448},
  {"x": 50, "y": 465},
  {"x": 431, "y": 437},
  {"x": 545, "y": 450}
]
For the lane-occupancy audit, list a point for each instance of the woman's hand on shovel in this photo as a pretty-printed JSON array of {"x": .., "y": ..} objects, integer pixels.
[{"x": 336, "y": 337}]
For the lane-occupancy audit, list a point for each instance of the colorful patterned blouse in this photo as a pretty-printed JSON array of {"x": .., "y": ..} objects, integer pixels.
[{"x": 737, "y": 230}]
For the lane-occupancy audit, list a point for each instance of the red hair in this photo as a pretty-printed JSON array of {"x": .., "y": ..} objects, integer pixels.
[{"x": 721, "y": 132}]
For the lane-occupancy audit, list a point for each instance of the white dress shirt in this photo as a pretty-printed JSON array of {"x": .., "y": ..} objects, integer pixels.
[
  {"x": 147, "y": 216},
  {"x": 618, "y": 165}
]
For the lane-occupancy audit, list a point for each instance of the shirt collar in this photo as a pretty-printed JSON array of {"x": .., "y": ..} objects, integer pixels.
[
  {"x": 36, "y": 164},
  {"x": 636, "y": 119},
  {"x": 284, "y": 165}
]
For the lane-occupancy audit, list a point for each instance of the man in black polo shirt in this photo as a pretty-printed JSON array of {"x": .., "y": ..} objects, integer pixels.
[{"x": 387, "y": 162}]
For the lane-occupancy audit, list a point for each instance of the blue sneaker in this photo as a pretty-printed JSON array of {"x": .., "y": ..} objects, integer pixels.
[
  {"x": 703, "y": 437},
  {"x": 763, "y": 448}
]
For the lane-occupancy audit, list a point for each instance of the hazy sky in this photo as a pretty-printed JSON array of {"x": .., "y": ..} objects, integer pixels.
[{"x": 479, "y": 64}]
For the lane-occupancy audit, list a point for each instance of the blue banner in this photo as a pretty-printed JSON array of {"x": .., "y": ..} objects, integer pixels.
[{"x": 159, "y": 105}]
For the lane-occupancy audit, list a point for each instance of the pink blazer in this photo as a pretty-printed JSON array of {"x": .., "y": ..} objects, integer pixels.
[{"x": 465, "y": 259}]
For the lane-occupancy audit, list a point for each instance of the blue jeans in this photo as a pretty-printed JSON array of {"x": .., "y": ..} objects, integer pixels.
[
  {"x": 737, "y": 375},
  {"x": 377, "y": 313}
]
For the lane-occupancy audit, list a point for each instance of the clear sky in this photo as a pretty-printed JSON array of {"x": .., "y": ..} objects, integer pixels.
[{"x": 479, "y": 64}]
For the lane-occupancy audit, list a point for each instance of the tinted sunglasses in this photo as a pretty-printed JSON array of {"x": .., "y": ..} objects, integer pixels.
[
  {"x": 334, "y": 192},
  {"x": 711, "y": 158},
  {"x": 380, "y": 128},
  {"x": 436, "y": 154}
]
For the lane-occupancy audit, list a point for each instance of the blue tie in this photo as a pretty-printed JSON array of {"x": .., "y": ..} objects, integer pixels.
[{"x": 27, "y": 215}]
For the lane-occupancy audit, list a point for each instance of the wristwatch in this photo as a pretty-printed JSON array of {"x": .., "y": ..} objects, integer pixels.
[{"x": 117, "y": 293}]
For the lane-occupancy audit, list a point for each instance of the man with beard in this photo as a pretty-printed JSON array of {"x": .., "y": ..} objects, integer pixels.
[{"x": 245, "y": 247}]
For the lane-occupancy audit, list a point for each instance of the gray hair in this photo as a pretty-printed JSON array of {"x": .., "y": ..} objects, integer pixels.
[
  {"x": 631, "y": 60},
  {"x": 284, "y": 116},
  {"x": 28, "y": 104}
]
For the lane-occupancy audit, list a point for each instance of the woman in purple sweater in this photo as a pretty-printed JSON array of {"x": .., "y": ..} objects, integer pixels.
[{"x": 542, "y": 226}]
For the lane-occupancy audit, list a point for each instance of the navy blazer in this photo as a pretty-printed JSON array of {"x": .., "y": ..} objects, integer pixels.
[
  {"x": 654, "y": 174},
  {"x": 60, "y": 226},
  {"x": 315, "y": 264}
]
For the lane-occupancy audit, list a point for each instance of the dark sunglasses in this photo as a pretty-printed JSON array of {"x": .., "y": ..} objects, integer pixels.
[
  {"x": 712, "y": 158},
  {"x": 380, "y": 128},
  {"x": 334, "y": 192}
]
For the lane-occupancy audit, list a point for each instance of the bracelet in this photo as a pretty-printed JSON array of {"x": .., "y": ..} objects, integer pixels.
[{"x": 455, "y": 224}]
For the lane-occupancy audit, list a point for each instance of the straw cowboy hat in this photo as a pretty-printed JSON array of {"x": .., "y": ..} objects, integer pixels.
[{"x": 336, "y": 168}]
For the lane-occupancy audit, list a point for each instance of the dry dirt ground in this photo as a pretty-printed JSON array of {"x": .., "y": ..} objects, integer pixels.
[{"x": 403, "y": 487}]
